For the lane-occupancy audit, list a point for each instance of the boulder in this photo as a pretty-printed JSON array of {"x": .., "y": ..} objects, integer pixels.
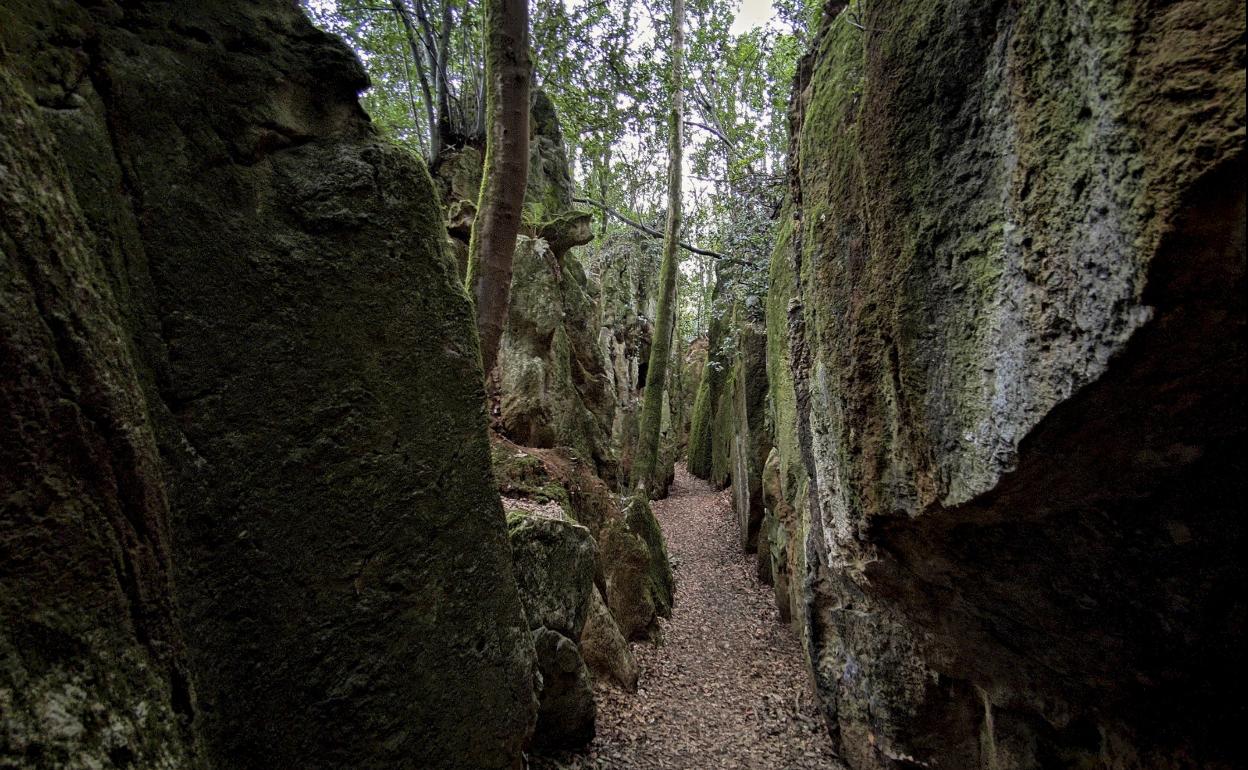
[
  {"x": 555, "y": 560},
  {"x": 639, "y": 578},
  {"x": 604, "y": 647},
  {"x": 565, "y": 717},
  {"x": 550, "y": 382},
  {"x": 636, "y": 578}
]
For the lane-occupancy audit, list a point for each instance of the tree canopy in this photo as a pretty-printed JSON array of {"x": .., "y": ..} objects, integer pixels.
[{"x": 605, "y": 66}]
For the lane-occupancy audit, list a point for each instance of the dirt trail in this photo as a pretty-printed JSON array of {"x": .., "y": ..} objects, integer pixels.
[{"x": 727, "y": 685}]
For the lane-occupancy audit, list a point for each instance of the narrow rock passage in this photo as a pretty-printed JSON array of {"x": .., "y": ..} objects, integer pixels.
[{"x": 726, "y": 685}]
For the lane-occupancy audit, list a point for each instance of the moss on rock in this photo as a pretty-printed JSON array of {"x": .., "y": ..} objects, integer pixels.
[
  {"x": 302, "y": 396},
  {"x": 1004, "y": 223}
]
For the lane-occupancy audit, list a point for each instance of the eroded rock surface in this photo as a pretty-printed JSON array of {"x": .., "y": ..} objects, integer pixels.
[
  {"x": 92, "y": 663},
  {"x": 604, "y": 647},
  {"x": 249, "y": 410},
  {"x": 1013, "y": 307},
  {"x": 555, "y": 563},
  {"x": 551, "y": 383},
  {"x": 633, "y": 572}
]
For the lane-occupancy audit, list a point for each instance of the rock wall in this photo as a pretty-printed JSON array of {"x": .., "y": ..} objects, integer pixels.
[
  {"x": 750, "y": 441},
  {"x": 92, "y": 663},
  {"x": 704, "y": 416},
  {"x": 248, "y": 512},
  {"x": 593, "y": 573},
  {"x": 1014, "y": 312},
  {"x": 636, "y": 578},
  {"x": 625, "y": 265},
  {"x": 786, "y": 521},
  {"x": 552, "y": 384}
]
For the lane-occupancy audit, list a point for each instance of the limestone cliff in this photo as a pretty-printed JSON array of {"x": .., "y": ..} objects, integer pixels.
[
  {"x": 705, "y": 413},
  {"x": 1013, "y": 311},
  {"x": 572, "y": 364},
  {"x": 248, "y": 513}
]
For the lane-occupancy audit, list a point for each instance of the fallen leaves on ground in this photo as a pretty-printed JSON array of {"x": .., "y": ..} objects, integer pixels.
[{"x": 725, "y": 684}]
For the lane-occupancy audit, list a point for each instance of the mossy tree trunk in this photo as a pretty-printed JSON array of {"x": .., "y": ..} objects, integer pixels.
[
  {"x": 507, "y": 74},
  {"x": 660, "y": 350}
]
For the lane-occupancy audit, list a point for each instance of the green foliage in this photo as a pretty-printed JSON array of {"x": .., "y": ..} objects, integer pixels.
[{"x": 605, "y": 66}]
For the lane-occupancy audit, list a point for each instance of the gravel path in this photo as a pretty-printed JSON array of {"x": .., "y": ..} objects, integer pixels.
[{"x": 726, "y": 686}]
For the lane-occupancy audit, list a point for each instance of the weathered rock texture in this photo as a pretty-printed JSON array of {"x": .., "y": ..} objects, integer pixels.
[
  {"x": 730, "y": 433},
  {"x": 704, "y": 415},
  {"x": 625, "y": 265},
  {"x": 786, "y": 521},
  {"x": 240, "y": 363},
  {"x": 555, "y": 562},
  {"x": 750, "y": 440},
  {"x": 604, "y": 647},
  {"x": 1016, "y": 337},
  {"x": 633, "y": 571},
  {"x": 92, "y": 666},
  {"x": 552, "y": 387}
]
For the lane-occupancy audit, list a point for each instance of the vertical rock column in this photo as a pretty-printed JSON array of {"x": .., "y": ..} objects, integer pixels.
[
  {"x": 1016, "y": 336},
  {"x": 92, "y": 668},
  {"x": 307, "y": 362}
]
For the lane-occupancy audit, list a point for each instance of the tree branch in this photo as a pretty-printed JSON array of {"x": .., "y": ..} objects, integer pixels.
[
  {"x": 650, "y": 231},
  {"x": 712, "y": 131}
]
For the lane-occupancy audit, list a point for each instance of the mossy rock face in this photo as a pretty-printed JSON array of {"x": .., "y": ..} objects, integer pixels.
[
  {"x": 567, "y": 714},
  {"x": 1016, "y": 248},
  {"x": 458, "y": 176},
  {"x": 555, "y": 563},
  {"x": 751, "y": 439},
  {"x": 93, "y": 665},
  {"x": 782, "y": 545},
  {"x": 555, "y": 560},
  {"x": 552, "y": 387},
  {"x": 723, "y": 431},
  {"x": 520, "y": 473},
  {"x": 633, "y": 572},
  {"x": 279, "y": 411},
  {"x": 703, "y": 422},
  {"x": 626, "y": 269},
  {"x": 604, "y": 647}
]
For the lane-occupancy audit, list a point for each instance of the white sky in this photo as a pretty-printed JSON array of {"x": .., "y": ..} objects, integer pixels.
[{"x": 753, "y": 13}]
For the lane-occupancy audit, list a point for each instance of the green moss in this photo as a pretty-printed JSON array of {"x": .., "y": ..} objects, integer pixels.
[
  {"x": 781, "y": 289},
  {"x": 519, "y": 474},
  {"x": 724, "y": 430},
  {"x": 658, "y": 579},
  {"x": 710, "y": 388}
]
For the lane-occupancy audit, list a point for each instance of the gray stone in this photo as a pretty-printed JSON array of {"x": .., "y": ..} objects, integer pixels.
[{"x": 565, "y": 719}]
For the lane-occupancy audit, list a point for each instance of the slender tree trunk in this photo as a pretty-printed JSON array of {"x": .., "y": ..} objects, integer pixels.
[
  {"x": 507, "y": 74},
  {"x": 665, "y": 322},
  {"x": 409, "y": 29},
  {"x": 444, "y": 85},
  {"x": 438, "y": 56}
]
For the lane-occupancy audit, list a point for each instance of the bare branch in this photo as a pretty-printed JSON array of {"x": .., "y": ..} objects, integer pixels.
[{"x": 656, "y": 234}]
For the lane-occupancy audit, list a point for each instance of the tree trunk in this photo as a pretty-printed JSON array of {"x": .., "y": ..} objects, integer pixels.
[
  {"x": 661, "y": 347},
  {"x": 444, "y": 86},
  {"x": 493, "y": 240},
  {"x": 413, "y": 42}
]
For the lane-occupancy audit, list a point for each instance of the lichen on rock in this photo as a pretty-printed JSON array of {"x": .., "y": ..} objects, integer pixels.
[
  {"x": 1008, "y": 389},
  {"x": 270, "y": 399}
]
